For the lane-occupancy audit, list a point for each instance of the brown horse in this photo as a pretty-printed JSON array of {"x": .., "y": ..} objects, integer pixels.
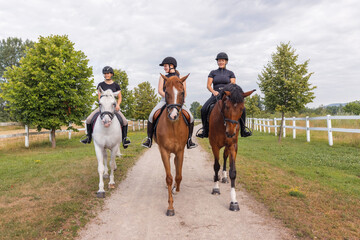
[
  {"x": 224, "y": 130},
  {"x": 172, "y": 133}
]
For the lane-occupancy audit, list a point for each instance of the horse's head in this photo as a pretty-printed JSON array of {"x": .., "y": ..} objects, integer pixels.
[
  {"x": 107, "y": 105},
  {"x": 174, "y": 95},
  {"x": 232, "y": 106}
]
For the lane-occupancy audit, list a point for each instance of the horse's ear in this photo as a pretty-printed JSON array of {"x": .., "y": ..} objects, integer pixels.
[
  {"x": 184, "y": 78},
  {"x": 116, "y": 93},
  {"x": 248, "y": 93},
  {"x": 100, "y": 90},
  {"x": 165, "y": 78},
  {"x": 227, "y": 93}
]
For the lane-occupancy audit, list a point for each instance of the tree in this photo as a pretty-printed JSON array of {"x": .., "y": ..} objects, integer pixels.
[
  {"x": 198, "y": 111},
  {"x": 127, "y": 103},
  {"x": 51, "y": 87},
  {"x": 193, "y": 108},
  {"x": 285, "y": 83},
  {"x": 145, "y": 100},
  {"x": 252, "y": 104},
  {"x": 353, "y": 107},
  {"x": 11, "y": 51}
]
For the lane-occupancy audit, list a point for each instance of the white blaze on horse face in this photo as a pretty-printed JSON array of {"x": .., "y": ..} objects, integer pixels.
[{"x": 174, "y": 111}]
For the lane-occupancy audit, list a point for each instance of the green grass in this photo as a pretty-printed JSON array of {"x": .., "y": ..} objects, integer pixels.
[
  {"x": 51, "y": 193},
  {"x": 312, "y": 187}
]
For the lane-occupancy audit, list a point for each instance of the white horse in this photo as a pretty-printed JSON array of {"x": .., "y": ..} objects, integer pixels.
[{"x": 106, "y": 135}]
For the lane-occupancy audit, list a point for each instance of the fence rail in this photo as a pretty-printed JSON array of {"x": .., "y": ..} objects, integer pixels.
[
  {"x": 260, "y": 124},
  {"x": 133, "y": 125}
]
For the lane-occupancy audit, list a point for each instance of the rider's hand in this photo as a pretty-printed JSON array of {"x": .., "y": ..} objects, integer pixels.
[
  {"x": 117, "y": 108},
  {"x": 216, "y": 93}
]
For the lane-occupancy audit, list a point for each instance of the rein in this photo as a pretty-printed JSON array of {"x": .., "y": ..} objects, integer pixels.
[{"x": 226, "y": 119}]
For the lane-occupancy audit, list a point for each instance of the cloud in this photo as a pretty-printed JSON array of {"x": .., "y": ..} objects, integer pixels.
[{"x": 136, "y": 35}]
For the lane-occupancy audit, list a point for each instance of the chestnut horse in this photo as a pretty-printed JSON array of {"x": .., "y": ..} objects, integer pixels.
[
  {"x": 224, "y": 130},
  {"x": 172, "y": 134}
]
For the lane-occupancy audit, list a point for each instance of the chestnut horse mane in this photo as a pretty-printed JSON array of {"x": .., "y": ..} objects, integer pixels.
[{"x": 236, "y": 93}]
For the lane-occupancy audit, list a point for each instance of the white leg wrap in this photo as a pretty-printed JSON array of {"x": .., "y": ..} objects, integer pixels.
[
  {"x": 224, "y": 174},
  {"x": 217, "y": 185},
  {"x": 233, "y": 195}
]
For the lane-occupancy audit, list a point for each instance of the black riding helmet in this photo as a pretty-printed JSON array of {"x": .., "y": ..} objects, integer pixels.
[
  {"x": 169, "y": 60},
  {"x": 107, "y": 69},
  {"x": 222, "y": 55}
]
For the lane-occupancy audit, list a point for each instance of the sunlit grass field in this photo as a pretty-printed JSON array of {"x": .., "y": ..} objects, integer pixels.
[
  {"x": 312, "y": 187},
  {"x": 50, "y": 193}
]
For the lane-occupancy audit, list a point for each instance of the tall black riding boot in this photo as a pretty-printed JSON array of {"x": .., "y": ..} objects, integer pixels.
[
  {"x": 125, "y": 140},
  {"x": 205, "y": 129},
  {"x": 89, "y": 134},
  {"x": 244, "y": 132},
  {"x": 150, "y": 132},
  {"x": 190, "y": 143}
]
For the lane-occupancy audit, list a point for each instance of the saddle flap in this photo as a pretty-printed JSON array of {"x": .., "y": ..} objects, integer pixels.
[{"x": 186, "y": 114}]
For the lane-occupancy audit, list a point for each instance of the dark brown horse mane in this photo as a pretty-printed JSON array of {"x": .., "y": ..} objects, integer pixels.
[{"x": 236, "y": 93}]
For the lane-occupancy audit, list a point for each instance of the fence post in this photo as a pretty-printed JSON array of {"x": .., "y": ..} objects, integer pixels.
[
  {"x": 330, "y": 136},
  {"x": 256, "y": 125},
  {"x": 307, "y": 129},
  {"x": 294, "y": 130},
  {"x": 275, "y": 128},
  {"x": 70, "y": 131},
  {"x": 139, "y": 124},
  {"x": 133, "y": 126},
  {"x": 260, "y": 125},
  {"x": 268, "y": 121},
  {"x": 26, "y": 136},
  {"x": 50, "y": 138},
  {"x": 284, "y": 129}
]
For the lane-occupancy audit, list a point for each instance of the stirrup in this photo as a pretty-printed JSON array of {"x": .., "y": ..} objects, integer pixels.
[
  {"x": 201, "y": 134},
  {"x": 125, "y": 142},
  {"x": 85, "y": 140},
  {"x": 189, "y": 142},
  {"x": 246, "y": 132},
  {"x": 144, "y": 144}
]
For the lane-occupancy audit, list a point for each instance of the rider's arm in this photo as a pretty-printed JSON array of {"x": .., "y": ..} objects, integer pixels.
[
  {"x": 209, "y": 82},
  {"x": 99, "y": 95},
  {"x": 233, "y": 80},
  {"x": 161, "y": 87}
]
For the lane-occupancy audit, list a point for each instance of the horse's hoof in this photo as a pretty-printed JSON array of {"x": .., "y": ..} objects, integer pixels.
[
  {"x": 106, "y": 176},
  {"x": 216, "y": 191},
  {"x": 111, "y": 186},
  {"x": 170, "y": 212},
  {"x": 224, "y": 180},
  {"x": 234, "y": 206},
  {"x": 100, "y": 194}
]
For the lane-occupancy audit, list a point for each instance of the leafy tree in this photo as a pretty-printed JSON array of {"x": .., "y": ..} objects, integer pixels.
[
  {"x": 127, "y": 103},
  {"x": 193, "y": 107},
  {"x": 51, "y": 87},
  {"x": 11, "y": 51},
  {"x": 252, "y": 105},
  {"x": 353, "y": 107},
  {"x": 285, "y": 83},
  {"x": 198, "y": 111},
  {"x": 145, "y": 100}
]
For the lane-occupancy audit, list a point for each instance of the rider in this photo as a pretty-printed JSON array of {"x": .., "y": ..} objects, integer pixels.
[
  {"x": 105, "y": 85},
  {"x": 219, "y": 78},
  {"x": 169, "y": 64}
]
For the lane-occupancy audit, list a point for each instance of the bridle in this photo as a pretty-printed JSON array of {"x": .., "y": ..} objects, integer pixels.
[
  {"x": 226, "y": 119},
  {"x": 170, "y": 107}
]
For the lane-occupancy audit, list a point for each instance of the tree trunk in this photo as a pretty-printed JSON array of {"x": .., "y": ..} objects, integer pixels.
[
  {"x": 281, "y": 126},
  {"x": 53, "y": 142}
]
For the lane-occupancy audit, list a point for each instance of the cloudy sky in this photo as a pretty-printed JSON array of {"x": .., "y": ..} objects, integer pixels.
[{"x": 135, "y": 35}]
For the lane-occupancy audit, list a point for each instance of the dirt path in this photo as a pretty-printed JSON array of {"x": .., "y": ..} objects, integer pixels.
[{"x": 136, "y": 210}]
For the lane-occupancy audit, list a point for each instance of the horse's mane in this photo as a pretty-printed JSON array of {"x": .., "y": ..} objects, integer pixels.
[
  {"x": 236, "y": 93},
  {"x": 107, "y": 93}
]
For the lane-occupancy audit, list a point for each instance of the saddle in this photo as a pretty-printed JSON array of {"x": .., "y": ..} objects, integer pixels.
[
  {"x": 157, "y": 115},
  {"x": 93, "y": 120}
]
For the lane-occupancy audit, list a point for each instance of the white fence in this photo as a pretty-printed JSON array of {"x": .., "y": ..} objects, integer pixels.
[
  {"x": 263, "y": 124},
  {"x": 134, "y": 125}
]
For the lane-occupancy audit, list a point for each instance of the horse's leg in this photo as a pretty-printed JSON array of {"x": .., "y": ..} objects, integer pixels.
[
  {"x": 106, "y": 170},
  {"x": 234, "y": 206},
  {"x": 179, "y": 159},
  {"x": 112, "y": 166},
  {"x": 100, "y": 157},
  {"x": 216, "y": 189},
  {"x": 224, "y": 175},
  {"x": 165, "y": 156}
]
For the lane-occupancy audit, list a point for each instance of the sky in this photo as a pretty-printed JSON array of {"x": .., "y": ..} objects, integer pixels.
[{"x": 135, "y": 36}]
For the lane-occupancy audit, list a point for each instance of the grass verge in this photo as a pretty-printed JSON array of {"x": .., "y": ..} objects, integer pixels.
[
  {"x": 312, "y": 187},
  {"x": 50, "y": 193}
]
